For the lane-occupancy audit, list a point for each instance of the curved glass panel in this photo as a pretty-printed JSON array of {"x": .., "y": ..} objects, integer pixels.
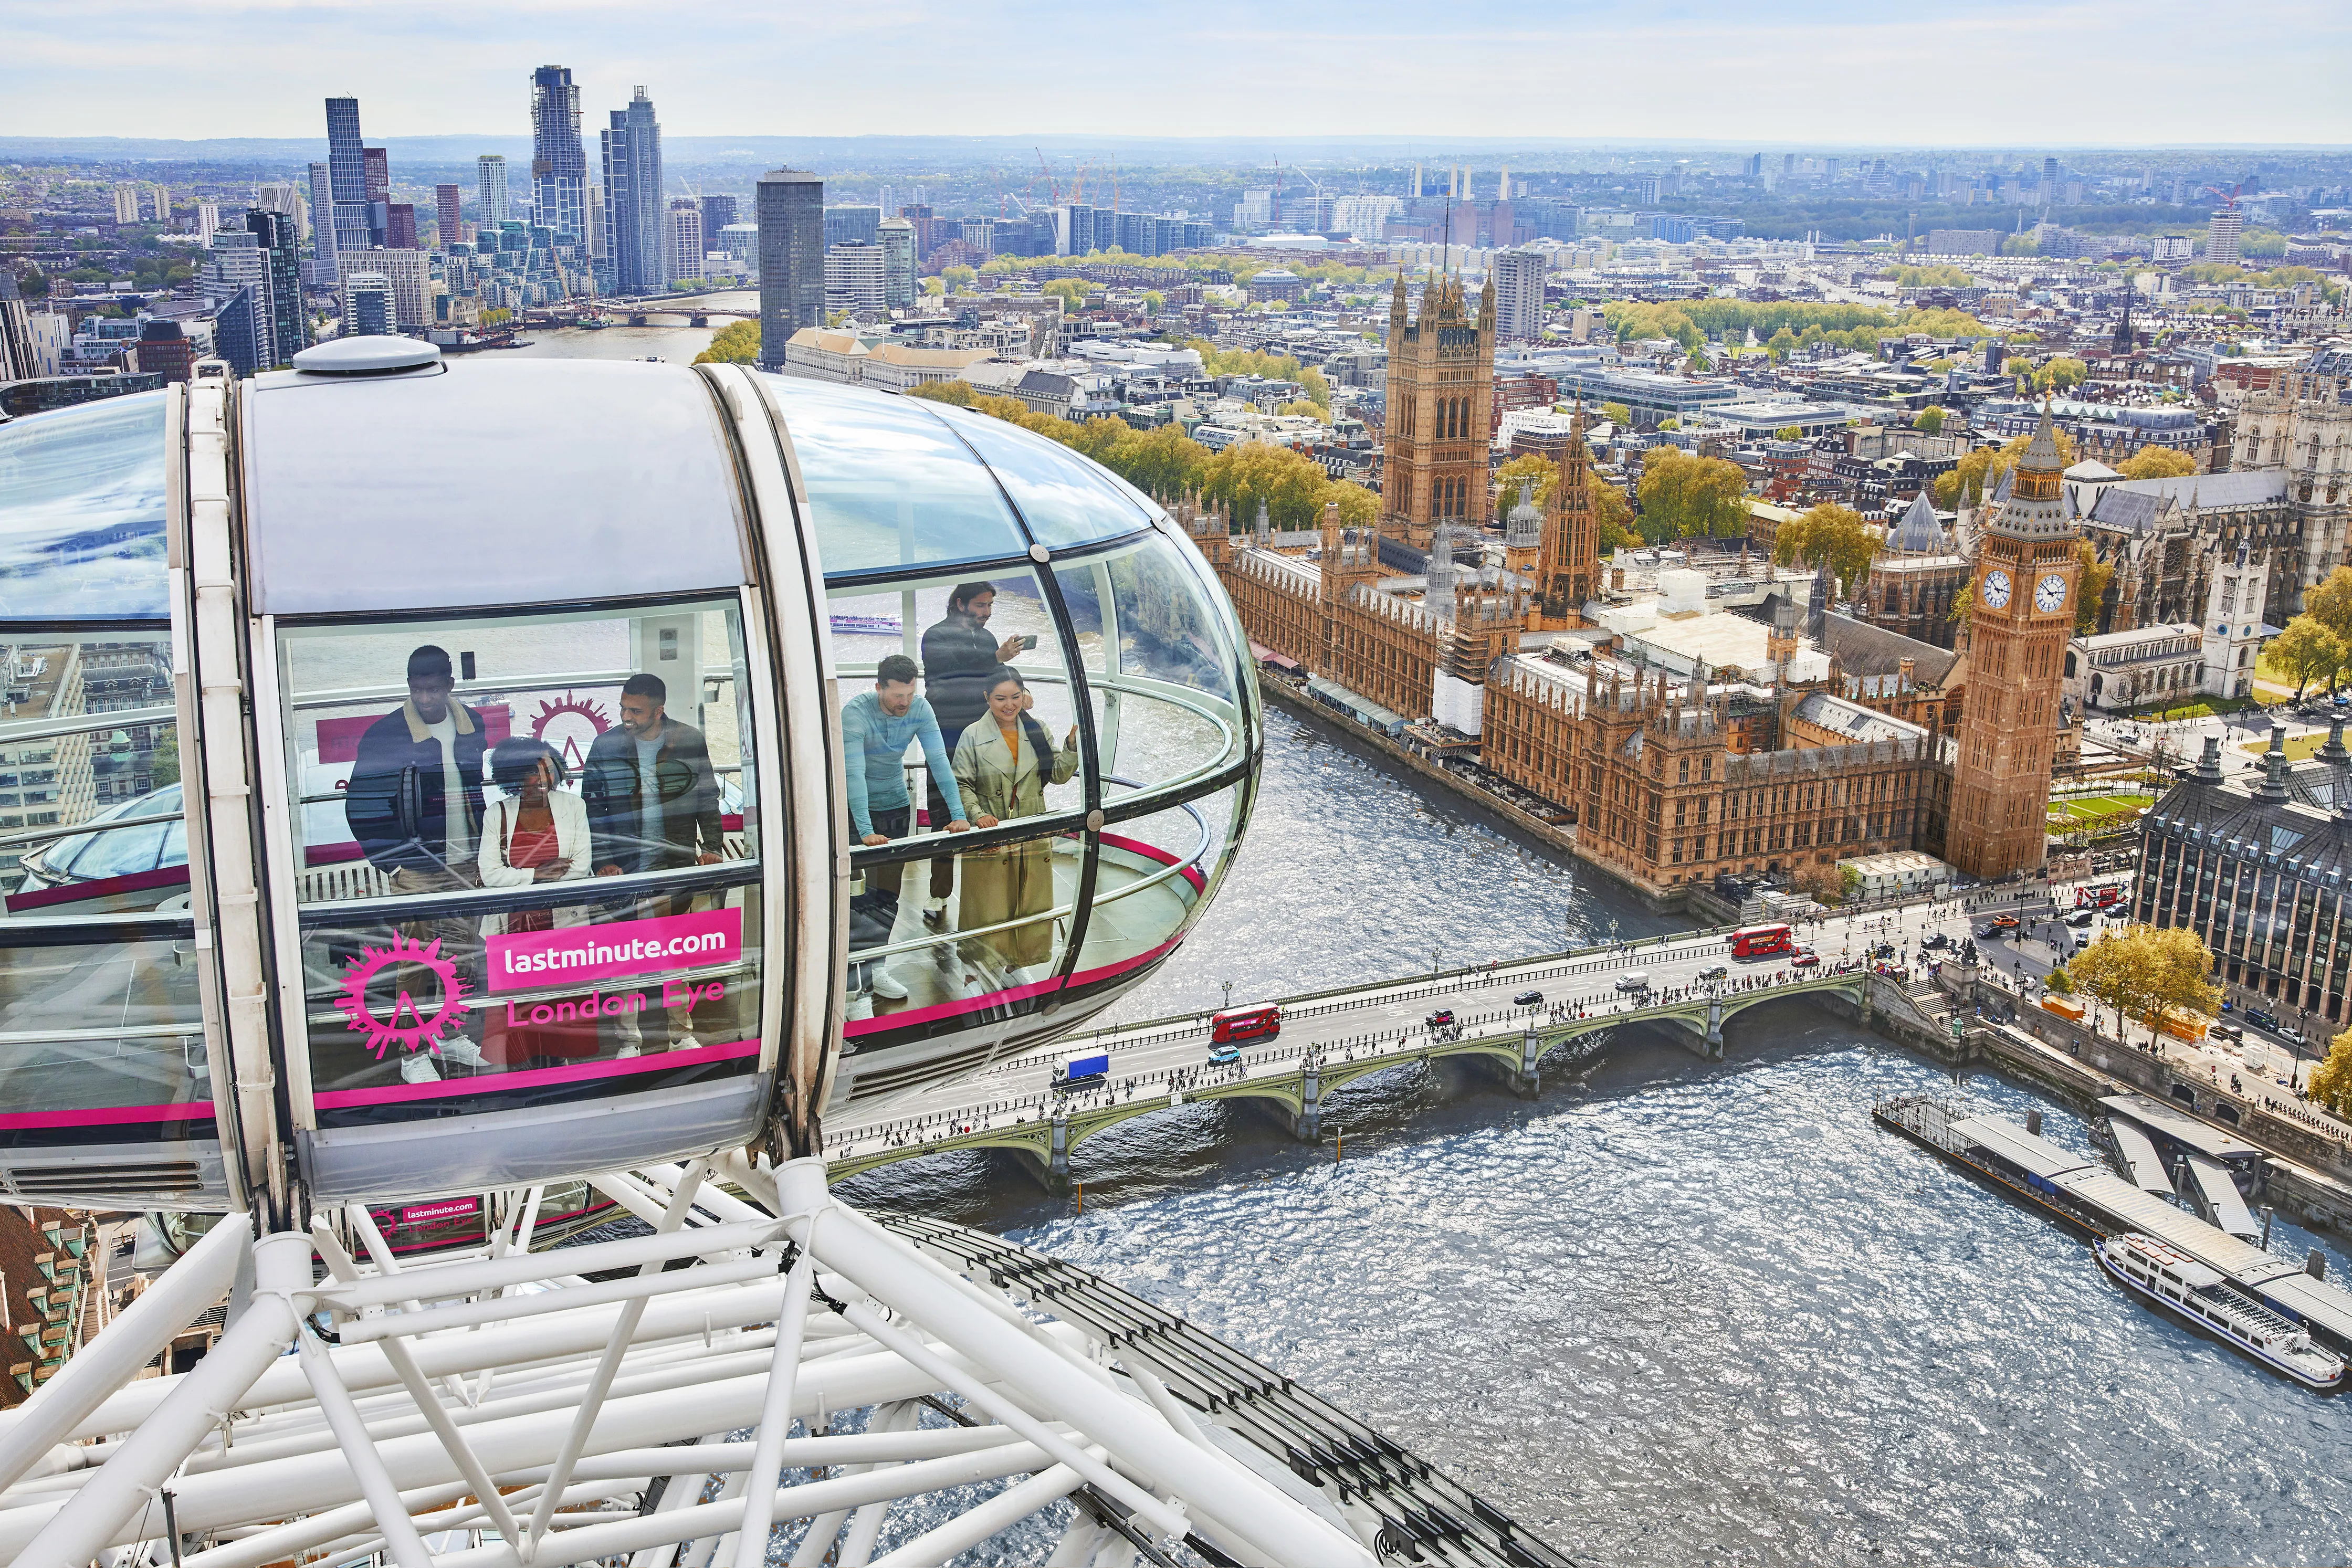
[
  {"x": 81, "y": 513},
  {"x": 1160, "y": 662},
  {"x": 518, "y": 871},
  {"x": 962, "y": 726},
  {"x": 1063, "y": 498},
  {"x": 101, "y": 1026},
  {"x": 887, "y": 484}
]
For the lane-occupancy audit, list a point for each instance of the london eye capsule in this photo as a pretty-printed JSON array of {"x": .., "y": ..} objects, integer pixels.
[{"x": 419, "y": 779}]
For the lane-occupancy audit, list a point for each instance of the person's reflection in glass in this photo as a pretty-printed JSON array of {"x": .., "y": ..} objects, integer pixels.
[
  {"x": 653, "y": 805},
  {"x": 959, "y": 662},
  {"x": 1002, "y": 767},
  {"x": 415, "y": 804},
  {"x": 876, "y": 729}
]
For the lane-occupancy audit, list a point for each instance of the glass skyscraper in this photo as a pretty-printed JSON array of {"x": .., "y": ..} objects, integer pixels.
[
  {"x": 634, "y": 208},
  {"x": 559, "y": 160},
  {"x": 792, "y": 259},
  {"x": 347, "y": 176},
  {"x": 490, "y": 191}
]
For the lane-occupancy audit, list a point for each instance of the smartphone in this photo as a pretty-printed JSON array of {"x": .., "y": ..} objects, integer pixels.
[{"x": 1028, "y": 639}]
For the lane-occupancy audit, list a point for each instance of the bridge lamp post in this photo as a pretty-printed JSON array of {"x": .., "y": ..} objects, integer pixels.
[{"x": 1229, "y": 994}]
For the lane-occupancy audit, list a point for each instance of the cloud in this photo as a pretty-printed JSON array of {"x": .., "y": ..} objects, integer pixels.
[{"x": 1979, "y": 72}]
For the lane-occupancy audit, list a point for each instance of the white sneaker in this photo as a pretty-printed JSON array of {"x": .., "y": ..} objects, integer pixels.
[
  {"x": 462, "y": 1052},
  {"x": 627, "y": 1051},
  {"x": 887, "y": 986},
  {"x": 418, "y": 1068},
  {"x": 686, "y": 1042},
  {"x": 861, "y": 1006}
]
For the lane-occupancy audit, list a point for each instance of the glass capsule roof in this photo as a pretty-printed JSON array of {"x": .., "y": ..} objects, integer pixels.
[
  {"x": 400, "y": 491},
  {"x": 81, "y": 514}
]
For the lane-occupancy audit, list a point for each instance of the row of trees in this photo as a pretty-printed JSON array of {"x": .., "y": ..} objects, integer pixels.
[
  {"x": 1166, "y": 462},
  {"x": 1785, "y": 326},
  {"x": 1274, "y": 367}
]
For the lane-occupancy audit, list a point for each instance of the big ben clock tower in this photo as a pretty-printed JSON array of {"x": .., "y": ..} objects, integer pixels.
[{"x": 2022, "y": 615}]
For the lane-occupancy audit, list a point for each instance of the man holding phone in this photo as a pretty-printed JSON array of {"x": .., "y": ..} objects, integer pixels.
[{"x": 959, "y": 658}]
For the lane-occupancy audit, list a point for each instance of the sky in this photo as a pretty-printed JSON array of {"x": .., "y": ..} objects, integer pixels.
[{"x": 2074, "y": 73}]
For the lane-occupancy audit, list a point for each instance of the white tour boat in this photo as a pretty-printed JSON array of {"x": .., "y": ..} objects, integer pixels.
[{"x": 2171, "y": 1280}]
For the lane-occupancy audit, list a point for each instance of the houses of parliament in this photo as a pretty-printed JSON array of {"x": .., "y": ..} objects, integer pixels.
[{"x": 1692, "y": 717}]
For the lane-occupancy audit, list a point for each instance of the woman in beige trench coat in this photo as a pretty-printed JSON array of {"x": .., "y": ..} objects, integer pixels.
[{"x": 1001, "y": 775}]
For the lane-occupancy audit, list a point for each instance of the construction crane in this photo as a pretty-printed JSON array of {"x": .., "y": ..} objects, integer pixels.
[
  {"x": 2230, "y": 196},
  {"x": 1045, "y": 169}
]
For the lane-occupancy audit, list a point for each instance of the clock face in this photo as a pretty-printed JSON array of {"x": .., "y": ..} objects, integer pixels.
[
  {"x": 1996, "y": 590},
  {"x": 2049, "y": 593}
]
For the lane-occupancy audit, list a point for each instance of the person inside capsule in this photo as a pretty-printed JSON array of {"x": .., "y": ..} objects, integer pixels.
[
  {"x": 653, "y": 805},
  {"x": 1001, "y": 768},
  {"x": 959, "y": 661},
  {"x": 416, "y": 807},
  {"x": 876, "y": 729}
]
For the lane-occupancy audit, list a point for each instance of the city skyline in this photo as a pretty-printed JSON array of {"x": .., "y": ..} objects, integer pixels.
[{"x": 431, "y": 67}]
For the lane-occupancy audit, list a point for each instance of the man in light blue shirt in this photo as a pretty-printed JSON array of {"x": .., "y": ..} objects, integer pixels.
[{"x": 876, "y": 728}]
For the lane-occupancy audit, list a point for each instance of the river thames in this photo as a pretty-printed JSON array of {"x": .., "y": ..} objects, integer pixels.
[{"x": 1672, "y": 1312}]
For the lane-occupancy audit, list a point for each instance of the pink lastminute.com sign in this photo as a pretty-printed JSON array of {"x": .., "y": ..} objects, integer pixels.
[{"x": 529, "y": 959}]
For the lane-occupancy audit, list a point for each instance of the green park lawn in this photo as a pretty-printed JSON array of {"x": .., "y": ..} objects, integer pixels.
[{"x": 2072, "y": 816}]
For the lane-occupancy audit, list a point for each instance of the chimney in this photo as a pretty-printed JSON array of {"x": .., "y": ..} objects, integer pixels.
[
  {"x": 1906, "y": 666},
  {"x": 2335, "y": 753},
  {"x": 2273, "y": 785},
  {"x": 2209, "y": 766}
]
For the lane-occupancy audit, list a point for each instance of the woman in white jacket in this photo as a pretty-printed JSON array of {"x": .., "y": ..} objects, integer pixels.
[{"x": 536, "y": 834}]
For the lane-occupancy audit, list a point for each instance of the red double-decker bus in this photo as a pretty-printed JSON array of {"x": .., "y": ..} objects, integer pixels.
[
  {"x": 1247, "y": 1023},
  {"x": 1762, "y": 941}
]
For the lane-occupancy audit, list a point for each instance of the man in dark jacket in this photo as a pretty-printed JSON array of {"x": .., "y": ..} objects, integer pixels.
[
  {"x": 415, "y": 804},
  {"x": 653, "y": 800},
  {"x": 653, "y": 805},
  {"x": 959, "y": 663}
]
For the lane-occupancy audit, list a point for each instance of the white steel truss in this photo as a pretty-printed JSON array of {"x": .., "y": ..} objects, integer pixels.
[{"x": 767, "y": 1365}]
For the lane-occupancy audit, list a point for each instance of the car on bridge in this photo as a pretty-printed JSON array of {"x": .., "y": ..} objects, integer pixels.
[
  {"x": 1633, "y": 980},
  {"x": 1717, "y": 972},
  {"x": 1442, "y": 1019},
  {"x": 1528, "y": 999},
  {"x": 1805, "y": 960},
  {"x": 1224, "y": 1055}
]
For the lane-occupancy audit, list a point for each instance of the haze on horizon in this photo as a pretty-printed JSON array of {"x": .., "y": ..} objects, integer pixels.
[{"x": 1979, "y": 73}]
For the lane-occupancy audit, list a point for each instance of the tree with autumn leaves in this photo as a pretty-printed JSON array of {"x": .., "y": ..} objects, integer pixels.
[
  {"x": 1832, "y": 534},
  {"x": 2147, "y": 973}
]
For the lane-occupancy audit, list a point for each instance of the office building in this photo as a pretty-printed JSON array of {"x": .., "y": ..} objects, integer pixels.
[
  {"x": 400, "y": 225},
  {"x": 126, "y": 202},
  {"x": 207, "y": 220},
  {"x": 896, "y": 236},
  {"x": 347, "y": 173},
  {"x": 854, "y": 278},
  {"x": 490, "y": 191},
  {"x": 290, "y": 323},
  {"x": 376, "y": 170},
  {"x": 559, "y": 160},
  {"x": 718, "y": 212},
  {"x": 19, "y": 360},
  {"x": 851, "y": 224},
  {"x": 163, "y": 349},
  {"x": 883, "y": 198},
  {"x": 1520, "y": 295},
  {"x": 1754, "y": 167},
  {"x": 237, "y": 285},
  {"x": 682, "y": 240},
  {"x": 447, "y": 208},
  {"x": 368, "y": 308},
  {"x": 407, "y": 275},
  {"x": 634, "y": 214},
  {"x": 322, "y": 222},
  {"x": 791, "y": 213},
  {"x": 2223, "y": 233}
]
